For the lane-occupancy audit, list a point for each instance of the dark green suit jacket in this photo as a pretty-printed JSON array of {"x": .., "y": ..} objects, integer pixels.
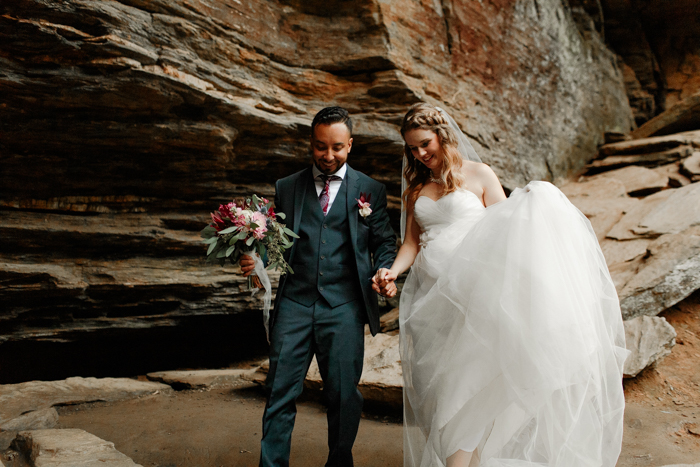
[{"x": 373, "y": 239}]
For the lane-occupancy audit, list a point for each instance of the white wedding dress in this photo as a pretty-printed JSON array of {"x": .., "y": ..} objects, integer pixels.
[{"x": 512, "y": 341}]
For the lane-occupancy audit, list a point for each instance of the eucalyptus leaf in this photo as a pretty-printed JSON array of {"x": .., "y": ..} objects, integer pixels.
[
  {"x": 221, "y": 254},
  {"x": 253, "y": 225},
  {"x": 281, "y": 215},
  {"x": 290, "y": 233},
  {"x": 208, "y": 232},
  {"x": 228, "y": 230},
  {"x": 210, "y": 240},
  {"x": 250, "y": 241},
  {"x": 211, "y": 248},
  {"x": 230, "y": 250}
]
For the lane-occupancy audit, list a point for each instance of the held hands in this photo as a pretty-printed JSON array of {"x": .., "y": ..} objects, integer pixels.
[
  {"x": 383, "y": 282},
  {"x": 247, "y": 264}
]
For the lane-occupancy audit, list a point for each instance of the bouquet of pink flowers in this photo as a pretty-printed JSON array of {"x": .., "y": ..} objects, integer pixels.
[{"x": 248, "y": 227}]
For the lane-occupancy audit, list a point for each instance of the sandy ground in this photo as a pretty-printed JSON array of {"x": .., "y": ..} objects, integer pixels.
[
  {"x": 221, "y": 427},
  {"x": 662, "y": 416}
]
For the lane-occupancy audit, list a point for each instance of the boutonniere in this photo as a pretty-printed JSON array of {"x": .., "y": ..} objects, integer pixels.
[{"x": 363, "y": 204}]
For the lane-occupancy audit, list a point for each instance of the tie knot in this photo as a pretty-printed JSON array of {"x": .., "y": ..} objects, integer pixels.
[{"x": 328, "y": 178}]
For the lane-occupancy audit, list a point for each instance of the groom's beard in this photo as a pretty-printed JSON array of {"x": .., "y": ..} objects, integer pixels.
[{"x": 331, "y": 170}]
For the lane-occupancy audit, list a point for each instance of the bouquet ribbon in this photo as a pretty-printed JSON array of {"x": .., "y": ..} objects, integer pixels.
[{"x": 261, "y": 272}]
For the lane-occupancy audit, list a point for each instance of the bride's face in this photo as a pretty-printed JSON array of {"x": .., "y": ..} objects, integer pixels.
[{"x": 425, "y": 146}]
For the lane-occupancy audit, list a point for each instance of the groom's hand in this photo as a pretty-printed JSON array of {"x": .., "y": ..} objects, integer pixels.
[
  {"x": 247, "y": 264},
  {"x": 389, "y": 290},
  {"x": 383, "y": 282}
]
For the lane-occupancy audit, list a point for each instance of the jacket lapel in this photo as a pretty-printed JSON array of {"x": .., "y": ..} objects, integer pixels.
[
  {"x": 352, "y": 194},
  {"x": 299, "y": 190}
]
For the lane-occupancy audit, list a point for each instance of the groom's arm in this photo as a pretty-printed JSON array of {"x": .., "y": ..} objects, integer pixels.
[{"x": 382, "y": 239}]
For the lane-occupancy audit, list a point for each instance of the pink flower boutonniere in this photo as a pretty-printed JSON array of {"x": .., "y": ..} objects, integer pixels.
[{"x": 363, "y": 204}]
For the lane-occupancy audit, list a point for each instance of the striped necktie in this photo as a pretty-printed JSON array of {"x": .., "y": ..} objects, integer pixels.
[{"x": 325, "y": 196}]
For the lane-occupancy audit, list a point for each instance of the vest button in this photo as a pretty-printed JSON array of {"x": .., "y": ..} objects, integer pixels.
[
  {"x": 320, "y": 288},
  {"x": 323, "y": 257},
  {"x": 320, "y": 273},
  {"x": 325, "y": 226},
  {"x": 323, "y": 241}
]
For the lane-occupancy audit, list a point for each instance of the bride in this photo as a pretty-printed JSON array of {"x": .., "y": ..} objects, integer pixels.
[{"x": 512, "y": 342}]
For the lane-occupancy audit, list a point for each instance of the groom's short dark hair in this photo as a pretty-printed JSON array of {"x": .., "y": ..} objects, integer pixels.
[{"x": 331, "y": 115}]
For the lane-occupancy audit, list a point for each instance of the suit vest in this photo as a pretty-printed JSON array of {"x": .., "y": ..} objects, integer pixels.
[{"x": 324, "y": 260}]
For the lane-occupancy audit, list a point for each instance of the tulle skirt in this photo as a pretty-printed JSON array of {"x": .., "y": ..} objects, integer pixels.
[{"x": 512, "y": 341}]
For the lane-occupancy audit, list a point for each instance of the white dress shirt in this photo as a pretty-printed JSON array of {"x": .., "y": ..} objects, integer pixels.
[{"x": 334, "y": 185}]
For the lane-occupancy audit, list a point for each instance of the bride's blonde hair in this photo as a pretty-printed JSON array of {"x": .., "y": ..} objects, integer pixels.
[{"x": 426, "y": 117}]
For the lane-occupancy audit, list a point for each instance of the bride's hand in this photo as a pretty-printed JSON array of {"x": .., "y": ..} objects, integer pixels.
[
  {"x": 383, "y": 282},
  {"x": 383, "y": 276}
]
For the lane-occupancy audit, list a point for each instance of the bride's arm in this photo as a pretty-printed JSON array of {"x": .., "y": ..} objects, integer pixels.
[
  {"x": 404, "y": 259},
  {"x": 493, "y": 191},
  {"x": 484, "y": 176}
]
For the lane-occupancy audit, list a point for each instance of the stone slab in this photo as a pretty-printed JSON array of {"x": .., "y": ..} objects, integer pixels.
[
  {"x": 616, "y": 252},
  {"x": 669, "y": 274},
  {"x": 690, "y": 167},
  {"x": 624, "y": 229},
  {"x": 673, "y": 215},
  {"x": 389, "y": 321},
  {"x": 68, "y": 448},
  {"x": 34, "y": 420},
  {"x": 653, "y": 159},
  {"x": 650, "y": 145},
  {"x": 603, "y": 200},
  {"x": 649, "y": 339},
  {"x": 199, "y": 379},
  {"x": 673, "y": 171},
  {"x": 638, "y": 181},
  {"x": 18, "y": 399},
  {"x": 683, "y": 115}
]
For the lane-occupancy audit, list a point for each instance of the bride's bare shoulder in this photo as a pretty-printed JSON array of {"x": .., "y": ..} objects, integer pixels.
[{"x": 478, "y": 170}]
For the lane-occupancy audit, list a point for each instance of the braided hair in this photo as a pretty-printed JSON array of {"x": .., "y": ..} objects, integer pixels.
[{"x": 426, "y": 117}]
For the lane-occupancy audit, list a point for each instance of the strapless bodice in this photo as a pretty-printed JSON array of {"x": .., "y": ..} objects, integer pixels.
[{"x": 462, "y": 206}]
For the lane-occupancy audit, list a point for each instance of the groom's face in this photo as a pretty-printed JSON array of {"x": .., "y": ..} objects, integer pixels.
[{"x": 330, "y": 145}]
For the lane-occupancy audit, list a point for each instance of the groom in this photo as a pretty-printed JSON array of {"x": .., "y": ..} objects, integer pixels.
[{"x": 322, "y": 308}]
